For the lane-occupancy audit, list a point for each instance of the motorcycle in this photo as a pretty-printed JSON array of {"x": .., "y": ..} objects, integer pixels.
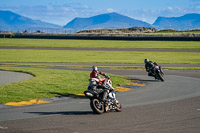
[
  {"x": 157, "y": 73},
  {"x": 95, "y": 93}
]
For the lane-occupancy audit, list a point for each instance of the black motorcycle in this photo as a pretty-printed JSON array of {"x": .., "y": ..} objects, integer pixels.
[
  {"x": 97, "y": 104},
  {"x": 157, "y": 73}
]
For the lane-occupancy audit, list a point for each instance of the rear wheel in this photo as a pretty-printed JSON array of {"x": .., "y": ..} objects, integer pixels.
[{"x": 97, "y": 106}]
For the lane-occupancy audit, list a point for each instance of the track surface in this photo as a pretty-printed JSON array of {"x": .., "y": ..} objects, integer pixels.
[
  {"x": 171, "y": 106},
  {"x": 9, "y": 77}
]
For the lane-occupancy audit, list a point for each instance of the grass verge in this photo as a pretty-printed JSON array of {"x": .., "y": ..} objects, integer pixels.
[
  {"x": 97, "y": 56},
  {"x": 48, "y": 83},
  {"x": 98, "y": 43}
]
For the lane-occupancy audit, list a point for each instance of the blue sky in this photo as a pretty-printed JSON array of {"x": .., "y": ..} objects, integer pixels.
[{"x": 62, "y": 11}]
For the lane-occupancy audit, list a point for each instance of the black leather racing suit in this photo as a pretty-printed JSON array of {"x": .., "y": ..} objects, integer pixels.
[{"x": 149, "y": 67}]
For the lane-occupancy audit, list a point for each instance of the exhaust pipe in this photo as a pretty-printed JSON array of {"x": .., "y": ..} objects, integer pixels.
[{"x": 88, "y": 94}]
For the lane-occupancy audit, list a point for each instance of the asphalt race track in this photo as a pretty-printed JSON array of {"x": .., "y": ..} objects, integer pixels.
[
  {"x": 172, "y": 106},
  {"x": 9, "y": 77}
]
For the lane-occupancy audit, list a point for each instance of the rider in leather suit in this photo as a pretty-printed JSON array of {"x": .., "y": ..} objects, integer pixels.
[
  {"x": 95, "y": 74},
  {"x": 149, "y": 65}
]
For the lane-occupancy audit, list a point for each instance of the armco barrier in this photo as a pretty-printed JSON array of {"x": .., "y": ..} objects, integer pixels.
[{"x": 131, "y": 38}]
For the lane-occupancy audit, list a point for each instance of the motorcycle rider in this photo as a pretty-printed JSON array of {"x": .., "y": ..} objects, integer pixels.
[
  {"x": 149, "y": 65},
  {"x": 95, "y": 74}
]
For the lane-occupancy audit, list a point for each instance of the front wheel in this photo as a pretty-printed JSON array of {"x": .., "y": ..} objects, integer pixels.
[
  {"x": 97, "y": 106},
  {"x": 160, "y": 76},
  {"x": 119, "y": 107}
]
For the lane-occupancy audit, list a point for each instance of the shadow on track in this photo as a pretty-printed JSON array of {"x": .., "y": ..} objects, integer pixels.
[{"x": 64, "y": 113}]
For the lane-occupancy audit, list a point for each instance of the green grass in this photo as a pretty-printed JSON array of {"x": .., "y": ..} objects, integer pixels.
[
  {"x": 97, "y": 56},
  {"x": 99, "y": 43},
  {"x": 48, "y": 83}
]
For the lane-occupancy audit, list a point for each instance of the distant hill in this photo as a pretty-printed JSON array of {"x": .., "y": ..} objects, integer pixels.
[
  {"x": 105, "y": 21},
  {"x": 12, "y": 22},
  {"x": 186, "y": 22}
]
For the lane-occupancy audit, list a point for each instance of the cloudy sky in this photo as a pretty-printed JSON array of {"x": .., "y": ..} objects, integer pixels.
[{"x": 62, "y": 11}]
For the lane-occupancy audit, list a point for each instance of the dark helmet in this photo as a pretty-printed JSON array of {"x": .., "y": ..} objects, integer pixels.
[
  {"x": 94, "y": 68},
  {"x": 146, "y": 60}
]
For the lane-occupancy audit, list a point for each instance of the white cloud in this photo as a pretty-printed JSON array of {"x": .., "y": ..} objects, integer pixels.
[
  {"x": 85, "y": 6},
  {"x": 171, "y": 8},
  {"x": 66, "y": 9},
  {"x": 110, "y": 10}
]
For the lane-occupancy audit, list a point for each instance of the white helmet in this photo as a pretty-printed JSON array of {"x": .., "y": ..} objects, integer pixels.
[
  {"x": 146, "y": 60},
  {"x": 94, "y": 68}
]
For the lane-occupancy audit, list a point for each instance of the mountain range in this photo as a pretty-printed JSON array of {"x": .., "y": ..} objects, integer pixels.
[
  {"x": 186, "y": 22},
  {"x": 106, "y": 21},
  {"x": 10, "y": 21}
]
